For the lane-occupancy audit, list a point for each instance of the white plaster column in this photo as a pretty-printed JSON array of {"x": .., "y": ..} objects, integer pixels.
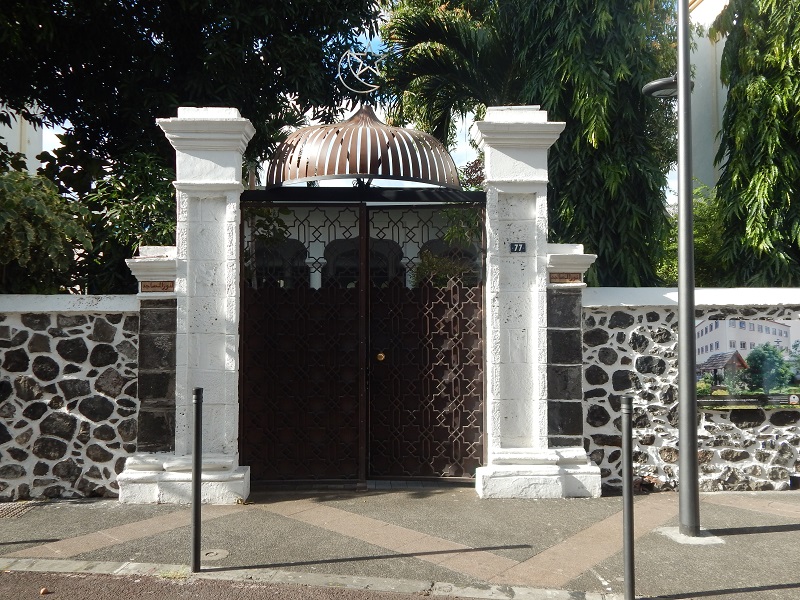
[
  {"x": 515, "y": 141},
  {"x": 209, "y": 144}
]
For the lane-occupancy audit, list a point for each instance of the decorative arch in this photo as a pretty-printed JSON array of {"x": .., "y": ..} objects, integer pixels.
[{"x": 342, "y": 263}]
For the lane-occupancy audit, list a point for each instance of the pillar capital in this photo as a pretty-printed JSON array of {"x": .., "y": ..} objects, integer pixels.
[{"x": 209, "y": 143}]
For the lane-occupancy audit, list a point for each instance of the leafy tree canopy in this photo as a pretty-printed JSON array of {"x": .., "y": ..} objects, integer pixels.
[
  {"x": 760, "y": 143},
  {"x": 585, "y": 62},
  {"x": 707, "y": 242},
  {"x": 109, "y": 68},
  {"x": 41, "y": 232},
  {"x": 767, "y": 369}
]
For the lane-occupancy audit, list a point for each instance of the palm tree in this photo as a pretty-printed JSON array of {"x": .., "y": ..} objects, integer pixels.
[{"x": 584, "y": 61}]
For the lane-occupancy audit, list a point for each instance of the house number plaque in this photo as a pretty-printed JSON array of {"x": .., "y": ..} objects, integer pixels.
[{"x": 517, "y": 247}]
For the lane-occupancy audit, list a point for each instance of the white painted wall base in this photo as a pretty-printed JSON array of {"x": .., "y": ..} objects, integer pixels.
[
  {"x": 536, "y": 473},
  {"x": 167, "y": 479}
]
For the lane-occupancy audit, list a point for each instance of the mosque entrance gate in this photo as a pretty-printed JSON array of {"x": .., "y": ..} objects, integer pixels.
[{"x": 361, "y": 342}]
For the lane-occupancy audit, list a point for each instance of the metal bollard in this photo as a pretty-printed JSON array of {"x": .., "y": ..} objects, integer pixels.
[
  {"x": 627, "y": 498},
  {"x": 197, "y": 473}
]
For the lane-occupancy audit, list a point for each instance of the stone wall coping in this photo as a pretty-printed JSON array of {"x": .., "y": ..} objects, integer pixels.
[
  {"x": 153, "y": 268},
  {"x": 570, "y": 263},
  {"x": 68, "y": 303},
  {"x": 704, "y": 297}
]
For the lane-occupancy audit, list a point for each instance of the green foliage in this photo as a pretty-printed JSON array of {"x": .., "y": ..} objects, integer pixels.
[
  {"x": 707, "y": 242},
  {"x": 464, "y": 225},
  {"x": 136, "y": 201},
  {"x": 703, "y": 388},
  {"x": 735, "y": 381},
  {"x": 10, "y": 161},
  {"x": 132, "y": 205},
  {"x": 793, "y": 359},
  {"x": 41, "y": 233},
  {"x": 767, "y": 369},
  {"x": 106, "y": 71},
  {"x": 267, "y": 225},
  {"x": 439, "y": 270},
  {"x": 110, "y": 69},
  {"x": 585, "y": 62},
  {"x": 760, "y": 143}
]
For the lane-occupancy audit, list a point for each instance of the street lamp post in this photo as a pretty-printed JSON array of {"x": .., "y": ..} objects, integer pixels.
[{"x": 688, "y": 490}]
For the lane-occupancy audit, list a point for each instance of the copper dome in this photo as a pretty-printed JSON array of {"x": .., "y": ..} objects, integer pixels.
[{"x": 362, "y": 147}]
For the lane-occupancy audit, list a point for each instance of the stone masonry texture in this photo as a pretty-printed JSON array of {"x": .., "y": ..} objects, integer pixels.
[
  {"x": 634, "y": 351},
  {"x": 68, "y": 403}
]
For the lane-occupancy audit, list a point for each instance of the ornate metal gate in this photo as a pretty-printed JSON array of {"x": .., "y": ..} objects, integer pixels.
[{"x": 361, "y": 342}]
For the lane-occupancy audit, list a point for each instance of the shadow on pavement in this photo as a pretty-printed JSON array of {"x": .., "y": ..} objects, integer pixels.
[
  {"x": 757, "y": 529},
  {"x": 727, "y": 591},
  {"x": 365, "y": 558},
  {"x": 30, "y": 542}
]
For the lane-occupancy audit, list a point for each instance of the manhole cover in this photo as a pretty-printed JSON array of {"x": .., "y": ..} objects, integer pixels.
[
  {"x": 214, "y": 554},
  {"x": 9, "y": 510}
]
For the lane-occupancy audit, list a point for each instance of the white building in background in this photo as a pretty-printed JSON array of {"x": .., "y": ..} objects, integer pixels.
[
  {"x": 718, "y": 336},
  {"x": 709, "y": 95},
  {"x": 23, "y": 137}
]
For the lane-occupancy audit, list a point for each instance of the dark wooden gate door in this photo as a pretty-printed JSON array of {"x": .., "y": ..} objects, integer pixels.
[
  {"x": 361, "y": 345},
  {"x": 300, "y": 413},
  {"x": 425, "y": 351}
]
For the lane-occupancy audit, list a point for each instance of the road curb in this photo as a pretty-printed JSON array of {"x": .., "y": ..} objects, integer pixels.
[{"x": 377, "y": 584}]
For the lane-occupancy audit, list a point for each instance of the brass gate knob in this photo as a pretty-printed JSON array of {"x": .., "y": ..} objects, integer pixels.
[{"x": 380, "y": 356}]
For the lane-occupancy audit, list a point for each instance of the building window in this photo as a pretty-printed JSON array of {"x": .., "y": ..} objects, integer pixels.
[
  {"x": 732, "y": 344},
  {"x": 716, "y": 324},
  {"x": 716, "y": 345},
  {"x": 752, "y": 345},
  {"x": 760, "y": 329},
  {"x": 742, "y": 324},
  {"x": 731, "y": 323},
  {"x": 743, "y": 345},
  {"x": 752, "y": 327}
]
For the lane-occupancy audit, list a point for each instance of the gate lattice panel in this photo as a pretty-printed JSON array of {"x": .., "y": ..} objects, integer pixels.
[
  {"x": 361, "y": 343},
  {"x": 426, "y": 361},
  {"x": 300, "y": 350}
]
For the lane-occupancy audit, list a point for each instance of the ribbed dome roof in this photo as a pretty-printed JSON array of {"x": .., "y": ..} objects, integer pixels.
[{"x": 362, "y": 147}]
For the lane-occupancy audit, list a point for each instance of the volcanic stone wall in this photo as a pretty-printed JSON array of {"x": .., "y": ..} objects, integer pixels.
[
  {"x": 633, "y": 351},
  {"x": 68, "y": 402}
]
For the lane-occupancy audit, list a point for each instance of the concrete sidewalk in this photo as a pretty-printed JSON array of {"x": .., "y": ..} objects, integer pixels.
[{"x": 427, "y": 540}]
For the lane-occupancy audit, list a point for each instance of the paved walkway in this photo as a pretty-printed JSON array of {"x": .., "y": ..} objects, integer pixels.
[{"x": 428, "y": 540}]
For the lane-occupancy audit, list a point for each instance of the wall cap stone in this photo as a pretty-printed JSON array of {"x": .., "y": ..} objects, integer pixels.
[
  {"x": 704, "y": 297},
  {"x": 68, "y": 303}
]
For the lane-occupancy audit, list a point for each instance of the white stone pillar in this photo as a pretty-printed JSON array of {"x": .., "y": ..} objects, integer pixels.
[
  {"x": 515, "y": 141},
  {"x": 209, "y": 144}
]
